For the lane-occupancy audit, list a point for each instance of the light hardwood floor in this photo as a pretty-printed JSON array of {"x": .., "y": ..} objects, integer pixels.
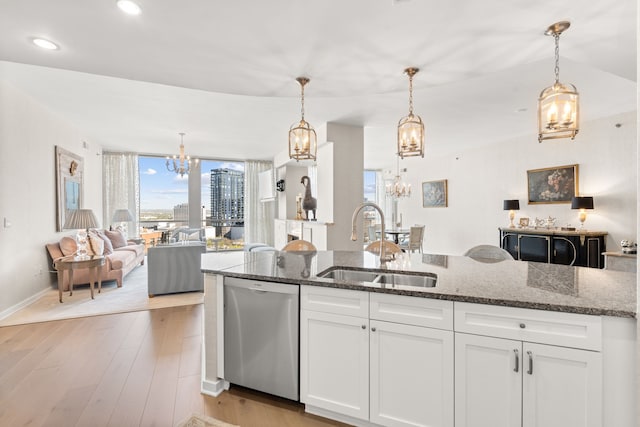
[{"x": 130, "y": 369}]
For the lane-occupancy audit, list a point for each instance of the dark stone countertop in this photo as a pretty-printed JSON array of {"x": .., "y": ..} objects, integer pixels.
[{"x": 506, "y": 283}]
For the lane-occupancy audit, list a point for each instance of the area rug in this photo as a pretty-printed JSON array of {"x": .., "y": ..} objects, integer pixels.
[
  {"x": 203, "y": 421},
  {"x": 132, "y": 296}
]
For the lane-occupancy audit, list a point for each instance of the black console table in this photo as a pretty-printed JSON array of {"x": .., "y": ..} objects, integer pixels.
[{"x": 579, "y": 248}]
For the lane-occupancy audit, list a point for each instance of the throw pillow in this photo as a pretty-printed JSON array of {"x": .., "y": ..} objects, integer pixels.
[
  {"x": 96, "y": 244},
  {"x": 117, "y": 238},
  {"x": 108, "y": 247},
  {"x": 68, "y": 245}
]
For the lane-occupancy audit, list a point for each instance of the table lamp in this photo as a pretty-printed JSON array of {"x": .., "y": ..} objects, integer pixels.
[
  {"x": 81, "y": 220},
  {"x": 123, "y": 216},
  {"x": 582, "y": 203},
  {"x": 511, "y": 206}
]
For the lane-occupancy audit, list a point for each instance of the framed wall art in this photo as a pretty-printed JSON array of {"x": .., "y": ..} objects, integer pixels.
[
  {"x": 557, "y": 184},
  {"x": 69, "y": 180},
  {"x": 434, "y": 194}
]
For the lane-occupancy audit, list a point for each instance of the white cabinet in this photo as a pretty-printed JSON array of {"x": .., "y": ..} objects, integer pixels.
[
  {"x": 510, "y": 382},
  {"x": 356, "y": 363},
  {"x": 334, "y": 350},
  {"x": 411, "y": 375},
  {"x": 311, "y": 231},
  {"x": 488, "y": 390},
  {"x": 561, "y": 387},
  {"x": 334, "y": 365}
]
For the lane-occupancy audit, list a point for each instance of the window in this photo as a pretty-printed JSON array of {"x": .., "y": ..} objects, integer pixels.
[
  {"x": 222, "y": 185},
  {"x": 164, "y": 195},
  {"x": 165, "y": 204}
]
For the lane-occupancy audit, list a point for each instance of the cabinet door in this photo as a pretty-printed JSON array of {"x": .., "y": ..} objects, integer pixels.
[
  {"x": 411, "y": 375},
  {"x": 561, "y": 387},
  {"x": 334, "y": 363},
  {"x": 534, "y": 248},
  {"x": 488, "y": 381},
  {"x": 509, "y": 242},
  {"x": 564, "y": 251}
]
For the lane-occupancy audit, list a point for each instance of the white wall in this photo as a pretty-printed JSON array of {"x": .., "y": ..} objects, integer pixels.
[
  {"x": 480, "y": 179},
  {"x": 28, "y": 134}
]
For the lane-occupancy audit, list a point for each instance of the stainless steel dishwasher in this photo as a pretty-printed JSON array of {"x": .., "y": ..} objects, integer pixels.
[{"x": 261, "y": 322}]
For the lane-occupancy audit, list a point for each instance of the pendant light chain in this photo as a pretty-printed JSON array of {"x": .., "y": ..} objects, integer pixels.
[
  {"x": 302, "y": 98},
  {"x": 557, "y": 69},
  {"x": 410, "y": 94}
]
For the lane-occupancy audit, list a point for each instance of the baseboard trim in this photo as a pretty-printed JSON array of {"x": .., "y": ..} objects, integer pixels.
[
  {"x": 22, "y": 304},
  {"x": 214, "y": 388}
]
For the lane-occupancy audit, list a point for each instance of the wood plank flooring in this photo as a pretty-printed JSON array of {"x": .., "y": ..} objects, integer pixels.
[{"x": 130, "y": 369}]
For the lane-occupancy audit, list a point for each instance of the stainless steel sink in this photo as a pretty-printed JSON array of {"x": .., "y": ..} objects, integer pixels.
[
  {"x": 401, "y": 279},
  {"x": 350, "y": 275},
  {"x": 427, "y": 280}
]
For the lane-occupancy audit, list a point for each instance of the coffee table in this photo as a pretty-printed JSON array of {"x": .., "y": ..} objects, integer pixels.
[{"x": 69, "y": 263}]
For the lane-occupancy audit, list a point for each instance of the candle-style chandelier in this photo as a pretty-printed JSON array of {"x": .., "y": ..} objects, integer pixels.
[
  {"x": 411, "y": 128},
  {"x": 302, "y": 137},
  {"x": 398, "y": 189},
  {"x": 558, "y": 105},
  {"x": 180, "y": 164}
]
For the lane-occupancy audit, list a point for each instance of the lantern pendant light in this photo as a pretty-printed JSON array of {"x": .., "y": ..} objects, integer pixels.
[
  {"x": 302, "y": 137},
  {"x": 558, "y": 105},
  {"x": 410, "y": 128}
]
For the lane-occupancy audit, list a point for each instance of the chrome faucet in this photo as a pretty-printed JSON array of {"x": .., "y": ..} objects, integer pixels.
[{"x": 384, "y": 257}]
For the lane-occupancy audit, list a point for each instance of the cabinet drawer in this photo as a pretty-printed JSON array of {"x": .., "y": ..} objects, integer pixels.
[
  {"x": 427, "y": 312},
  {"x": 337, "y": 301},
  {"x": 545, "y": 327}
]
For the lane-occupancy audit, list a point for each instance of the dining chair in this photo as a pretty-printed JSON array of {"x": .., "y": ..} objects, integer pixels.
[
  {"x": 299, "y": 246},
  {"x": 389, "y": 247},
  {"x": 488, "y": 253},
  {"x": 414, "y": 242}
]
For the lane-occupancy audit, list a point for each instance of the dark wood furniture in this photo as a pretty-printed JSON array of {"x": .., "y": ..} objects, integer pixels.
[{"x": 578, "y": 248}]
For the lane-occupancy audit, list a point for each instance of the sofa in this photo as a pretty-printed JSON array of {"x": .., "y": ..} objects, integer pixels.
[{"x": 121, "y": 255}]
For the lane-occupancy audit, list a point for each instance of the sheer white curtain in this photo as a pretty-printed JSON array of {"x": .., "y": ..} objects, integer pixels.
[
  {"x": 258, "y": 216},
  {"x": 121, "y": 188}
]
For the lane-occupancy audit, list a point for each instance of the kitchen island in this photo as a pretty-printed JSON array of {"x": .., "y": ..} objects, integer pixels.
[{"x": 529, "y": 307}]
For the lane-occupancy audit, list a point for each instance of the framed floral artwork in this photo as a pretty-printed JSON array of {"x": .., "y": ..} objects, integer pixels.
[
  {"x": 557, "y": 184},
  {"x": 434, "y": 194}
]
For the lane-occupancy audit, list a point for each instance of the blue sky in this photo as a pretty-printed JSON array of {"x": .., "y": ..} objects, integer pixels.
[
  {"x": 161, "y": 189},
  {"x": 370, "y": 186}
]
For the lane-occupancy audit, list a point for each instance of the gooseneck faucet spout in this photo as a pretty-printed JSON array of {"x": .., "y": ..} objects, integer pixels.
[{"x": 384, "y": 257}]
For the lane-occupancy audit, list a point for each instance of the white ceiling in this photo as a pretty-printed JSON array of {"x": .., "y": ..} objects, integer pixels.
[{"x": 224, "y": 73}]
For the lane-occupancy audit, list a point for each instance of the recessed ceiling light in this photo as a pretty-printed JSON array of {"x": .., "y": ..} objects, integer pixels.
[
  {"x": 129, "y": 7},
  {"x": 45, "y": 44}
]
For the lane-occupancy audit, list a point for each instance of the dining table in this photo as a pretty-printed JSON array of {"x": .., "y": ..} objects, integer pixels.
[{"x": 396, "y": 233}]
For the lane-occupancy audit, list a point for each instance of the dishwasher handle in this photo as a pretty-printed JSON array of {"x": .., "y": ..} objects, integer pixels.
[{"x": 261, "y": 287}]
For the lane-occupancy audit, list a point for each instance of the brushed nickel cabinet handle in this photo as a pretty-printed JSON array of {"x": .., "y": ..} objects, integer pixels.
[
  {"x": 530, "y": 371},
  {"x": 517, "y": 355}
]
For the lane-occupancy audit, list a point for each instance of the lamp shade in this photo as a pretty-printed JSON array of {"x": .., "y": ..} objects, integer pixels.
[
  {"x": 80, "y": 219},
  {"x": 122, "y": 215},
  {"x": 581, "y": 202},
  {"x": 511, "y": 205}
]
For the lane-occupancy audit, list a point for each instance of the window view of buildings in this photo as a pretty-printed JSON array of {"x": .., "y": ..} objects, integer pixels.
[{"x": 165, "y": 204}]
